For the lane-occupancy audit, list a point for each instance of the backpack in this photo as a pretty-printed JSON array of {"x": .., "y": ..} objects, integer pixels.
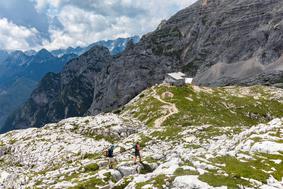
[{"x": 110, "y": 152}]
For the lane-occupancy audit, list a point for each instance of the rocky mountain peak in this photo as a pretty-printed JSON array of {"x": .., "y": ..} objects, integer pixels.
[
  {"x": 43, "y": 53},
  {"x": 98, "y": 51}
]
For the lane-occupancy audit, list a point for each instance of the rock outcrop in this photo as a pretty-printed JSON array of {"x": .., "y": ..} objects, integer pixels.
[
  {"x": 225, "y": 33},
  {"x": 60, "y": 150}
]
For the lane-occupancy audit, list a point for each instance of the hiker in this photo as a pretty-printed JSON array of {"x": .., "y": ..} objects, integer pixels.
[
  {"x": 110, "y": 154},
  {"x": 137, "y": 152}
]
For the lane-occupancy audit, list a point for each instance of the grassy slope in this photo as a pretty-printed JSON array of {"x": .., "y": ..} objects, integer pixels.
[
  {"x": 227, "y": 111},
  {"x": 217, "y": 107}
]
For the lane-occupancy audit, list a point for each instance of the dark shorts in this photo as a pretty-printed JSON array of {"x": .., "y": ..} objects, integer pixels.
[{"x": 137, "y": 153}]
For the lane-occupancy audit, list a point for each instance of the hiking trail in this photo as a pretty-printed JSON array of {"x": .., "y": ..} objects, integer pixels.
[{"x": 171, "y": 108}]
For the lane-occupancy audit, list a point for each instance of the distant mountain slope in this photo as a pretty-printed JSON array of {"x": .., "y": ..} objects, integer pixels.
[
  {"x": 64, "y": 94},
  {"x": 27, "y": 68},
  {"x": 18, "y": 64},
  {"x": 19, "y": 75},
  {"x": 194, "y": 39},
  {"x": 13, "y": 96},
  {"x": 3, "y": 55}
]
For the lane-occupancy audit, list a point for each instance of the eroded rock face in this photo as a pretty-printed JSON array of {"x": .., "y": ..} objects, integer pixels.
[
  {"x": 250, "y": 72},
  {"x": 229, "y": 32}
]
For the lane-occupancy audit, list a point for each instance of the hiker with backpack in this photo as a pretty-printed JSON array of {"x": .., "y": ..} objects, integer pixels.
[
  {"x": 110, "y": 154},
  {"x": 137, "y": 152}
]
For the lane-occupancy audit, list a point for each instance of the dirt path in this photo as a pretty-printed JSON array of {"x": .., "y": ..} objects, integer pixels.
[{"x": 170, "y": 108}]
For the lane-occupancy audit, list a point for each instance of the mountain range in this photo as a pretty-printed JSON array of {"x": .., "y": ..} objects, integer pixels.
[
  {"x": 115, "y": 46},
  {"x": 19, "y": 75},
  {"x": 20, "y": 71}
]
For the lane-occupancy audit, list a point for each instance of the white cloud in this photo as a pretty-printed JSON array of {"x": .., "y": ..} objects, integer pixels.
[
  {"x": 87, "y": 21},
  {"x": 80, "y": 22},
  {"x": 79, "y": 28},
  {"x": 43, "y": 4},
  {"x": 14, "y": 37}
]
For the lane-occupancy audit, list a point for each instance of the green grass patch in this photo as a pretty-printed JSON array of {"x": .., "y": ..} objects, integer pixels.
[
  {"x": 110, "y": 139},
  {"x": 268, "y": 160},
  {"x": 216, "y": 180},
  {"x": 91, "y": 167},
  {"x": 124, "y": 183},
  {"x": 236, "y": 171},
  {"x": 49, "y": 169},
  {"x": 252, "y": 169},
  {"x": 12, "y": 141},
  {"x": 71, "y": 177},
  {"x": 150, "y": 159},
  {"x": 144, "y": 139},
  {"x": 147, "y": 110},
  {"x": 220, "y": 108},
  {"x": 91, "y": 156},
  {"x": 158, "y": 182},
  {"x": 168, "y": 133},
  {"x": 183, "y": 172},
  {"x": 108, "y": 176},
  {"x": 92, "y": 183}
]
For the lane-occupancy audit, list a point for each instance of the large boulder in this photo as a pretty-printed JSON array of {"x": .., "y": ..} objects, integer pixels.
[{"x": 189, "y": 182}]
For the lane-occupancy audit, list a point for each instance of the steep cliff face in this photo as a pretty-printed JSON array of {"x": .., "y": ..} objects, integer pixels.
[
  {"x": 20, "y": 74},
  {"x": 127, "y": 75},
  {"x": 243, "y": 39},
  {"x": 61, "y": 95},
  {"x": 226, "y": 31}
]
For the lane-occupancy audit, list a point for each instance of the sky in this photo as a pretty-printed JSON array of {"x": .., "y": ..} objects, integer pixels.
[{"x": 54, "y": 24}]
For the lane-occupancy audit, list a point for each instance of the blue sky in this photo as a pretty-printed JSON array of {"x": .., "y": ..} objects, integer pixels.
[{"x": 53, "y": 24}]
